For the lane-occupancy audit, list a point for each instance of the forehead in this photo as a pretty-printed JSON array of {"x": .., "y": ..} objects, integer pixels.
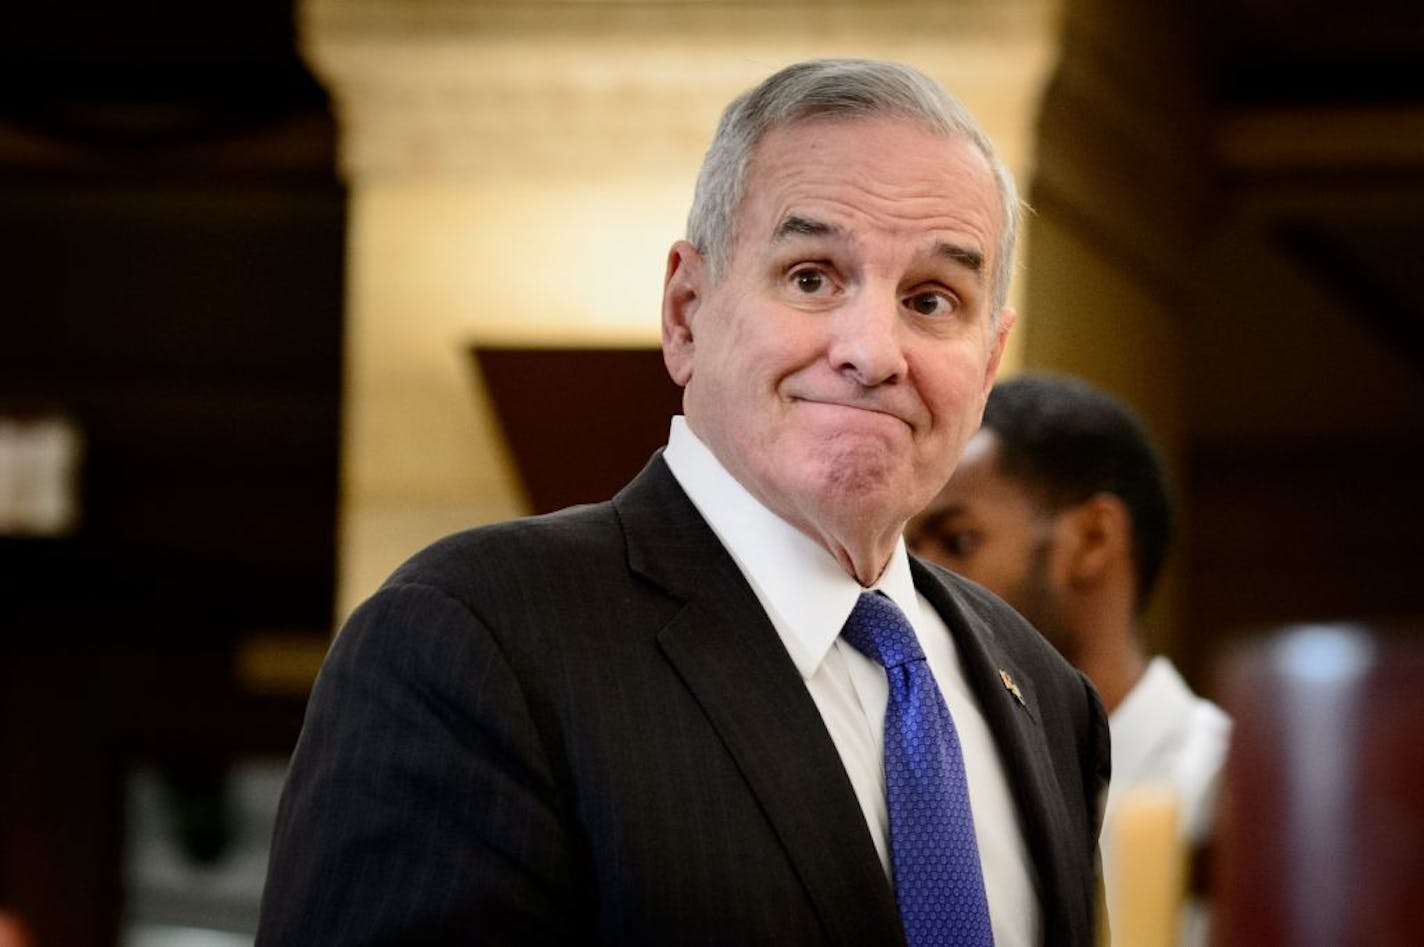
[
  {"x": 871, "y": 176},
  {"x": 978, "y": 484}
]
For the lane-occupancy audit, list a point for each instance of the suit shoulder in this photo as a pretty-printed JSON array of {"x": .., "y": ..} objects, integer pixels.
[{"x": 514, "y": 551}]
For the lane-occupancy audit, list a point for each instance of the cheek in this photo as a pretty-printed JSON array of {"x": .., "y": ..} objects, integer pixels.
[
  {"x": 953, "y": 388},
  {"x": 763, "y": 361},
  {"x": 1008, "y": 566}
]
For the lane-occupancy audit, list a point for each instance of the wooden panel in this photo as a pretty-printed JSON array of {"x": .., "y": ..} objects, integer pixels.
[
  {"x": 193, "y": 332},
  {"x": 580, "y": 422},
  {"x": 1303, "y": 532}
]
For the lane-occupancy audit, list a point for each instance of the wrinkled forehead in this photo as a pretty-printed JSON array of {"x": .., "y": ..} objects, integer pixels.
[
  {"x": 809, "y": 131},
  {"x": 921, "y": 174}
]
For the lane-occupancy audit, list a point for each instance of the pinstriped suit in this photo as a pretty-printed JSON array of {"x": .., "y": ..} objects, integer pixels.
[{"x": 582, "y": 728}]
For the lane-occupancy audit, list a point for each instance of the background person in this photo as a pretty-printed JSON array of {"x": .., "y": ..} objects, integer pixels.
[
  {"x": 645, "y": 721},
  {"x": 1060, "y": 505}
]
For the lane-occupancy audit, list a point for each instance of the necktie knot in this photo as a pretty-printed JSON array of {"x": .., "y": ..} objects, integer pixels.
[{"x": 879, "y": 630}]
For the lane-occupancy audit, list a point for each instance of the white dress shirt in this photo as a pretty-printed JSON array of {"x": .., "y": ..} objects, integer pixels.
[
  {"x": 1164, "y": 735},
  {"x": 808, "y": 597}
]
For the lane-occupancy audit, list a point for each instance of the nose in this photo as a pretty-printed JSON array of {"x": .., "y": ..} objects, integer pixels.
[{"x": 865, "y": 343}]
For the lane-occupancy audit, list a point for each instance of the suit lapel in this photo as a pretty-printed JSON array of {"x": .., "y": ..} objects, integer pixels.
[
  {"x": 731, "y": 659},
  {"x": 1013, "y": 718}
]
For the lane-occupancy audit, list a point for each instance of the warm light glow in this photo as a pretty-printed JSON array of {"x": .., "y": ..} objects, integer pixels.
[
  {"x": 1149, "y": 872},
  {"x": 565, "y": 261}
]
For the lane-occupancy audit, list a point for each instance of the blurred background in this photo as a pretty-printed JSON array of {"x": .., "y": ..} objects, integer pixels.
[{"x": 289, "y": 290}]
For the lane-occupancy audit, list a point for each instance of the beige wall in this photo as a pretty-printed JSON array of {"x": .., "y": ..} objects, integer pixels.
[{"x": 436, "y": 266}]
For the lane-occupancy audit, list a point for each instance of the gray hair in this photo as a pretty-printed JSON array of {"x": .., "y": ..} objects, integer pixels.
[{"x": 847, "y": 88}]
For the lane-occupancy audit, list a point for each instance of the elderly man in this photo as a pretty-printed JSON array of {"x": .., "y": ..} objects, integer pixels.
[{"x": 726, "y": 707}]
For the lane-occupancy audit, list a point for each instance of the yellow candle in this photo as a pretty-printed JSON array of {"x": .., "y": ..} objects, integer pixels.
[{"x": 1149, "y": 871}]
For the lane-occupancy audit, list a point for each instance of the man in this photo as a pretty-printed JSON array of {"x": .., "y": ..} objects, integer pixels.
[
  {"x": 634, "y": 722},
  {"x": 1060, "y": 505}
]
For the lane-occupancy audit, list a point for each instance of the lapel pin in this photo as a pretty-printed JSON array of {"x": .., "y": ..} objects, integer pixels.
[{"x": 1011, "y": 687}]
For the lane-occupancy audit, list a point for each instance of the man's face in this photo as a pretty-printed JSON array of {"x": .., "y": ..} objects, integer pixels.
[
  {"x": 989, "y": 528},
  {"x": 841, "y": 362}
]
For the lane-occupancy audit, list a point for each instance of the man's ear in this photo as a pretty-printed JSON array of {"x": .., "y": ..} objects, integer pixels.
[
  {"x": 1100, "y": 539},
  {"x": 683, "y": 286},
  {"x": 1006, "y": 320}
]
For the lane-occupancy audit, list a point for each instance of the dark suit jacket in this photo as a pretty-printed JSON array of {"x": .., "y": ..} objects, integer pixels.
[{"x": 582, "y": 728}]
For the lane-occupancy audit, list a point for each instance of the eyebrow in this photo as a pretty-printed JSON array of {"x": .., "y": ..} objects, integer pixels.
[
  {"x": 967, "y": 257},
  {"x": 794, "y": 225},
  {"x": 953, "y": 511}
]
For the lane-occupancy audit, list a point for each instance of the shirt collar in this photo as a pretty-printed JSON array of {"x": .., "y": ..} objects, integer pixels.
[
  {"x": 801, "y": 586},
  {"x": 1159, "y": 698}
]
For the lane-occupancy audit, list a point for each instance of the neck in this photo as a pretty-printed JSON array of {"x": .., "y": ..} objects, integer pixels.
[
  {"x": 862, "y": 548},
  {"x": 1114, "y": 663},
  {"x": 865, "y": 567}
]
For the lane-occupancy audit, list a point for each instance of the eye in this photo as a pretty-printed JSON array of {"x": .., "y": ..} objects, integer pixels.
[
  {"x": 932, "y": 536},
  {"x": 963, "y": 543},
  {"x": 959, "y": 543},
  {"x": 932, "y": 303},
  {"x": 811, "y": 281}
]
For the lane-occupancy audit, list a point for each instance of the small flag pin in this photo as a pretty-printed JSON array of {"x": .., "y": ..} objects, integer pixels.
[{"x": 1011, "y": 687}]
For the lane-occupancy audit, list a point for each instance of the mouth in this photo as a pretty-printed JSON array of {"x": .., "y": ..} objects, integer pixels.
[{"x": 855, "y": 407}]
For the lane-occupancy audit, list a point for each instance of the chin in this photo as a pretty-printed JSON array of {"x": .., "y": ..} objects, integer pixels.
[
  {"x": 856, "y": 464},
  {"x": 867, "y": 478},
  {"x": 871, "y": 494}
]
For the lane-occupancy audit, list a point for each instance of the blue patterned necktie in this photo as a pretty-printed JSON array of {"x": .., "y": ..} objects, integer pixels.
[{"x": 934, "y": 856}]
